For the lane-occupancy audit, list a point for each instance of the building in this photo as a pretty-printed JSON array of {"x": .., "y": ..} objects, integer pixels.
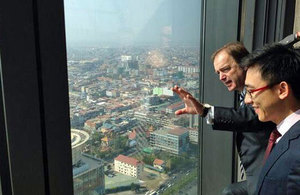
[
  {"x": 160, "y": 164},
  {"x": 88, "y": 172},
  {"x": 174, "y": 140},
  {"x": 193, "y": 121},
  {"x": 132, "y": 135},
  {"x": 112, "y": 93},
  {"x": 193, "y": 135},
  {"x": 172, "y": 108},
  {"x": 188, "y": 69},
  {"x": 153, "y": 119},
  {"x": 162, "y": 91},
  {"x": 125, "y": 58},
  {"x": 88, "y": 176},
  {"x": 94, "y": 123},
  {"x": 128, "y": 166},
  {"x": 152, "y": 100}
]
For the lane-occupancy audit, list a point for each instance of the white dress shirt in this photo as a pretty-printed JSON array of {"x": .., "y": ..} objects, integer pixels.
[{"x": 287, "y": 123}]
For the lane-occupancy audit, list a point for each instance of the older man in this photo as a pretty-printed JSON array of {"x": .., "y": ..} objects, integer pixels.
[{"x": 272, "y": 84}]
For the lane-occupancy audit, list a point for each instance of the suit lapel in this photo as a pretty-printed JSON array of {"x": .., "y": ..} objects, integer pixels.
[{"x": 281, "y": 147}]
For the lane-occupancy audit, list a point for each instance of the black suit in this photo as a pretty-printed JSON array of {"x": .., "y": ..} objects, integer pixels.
[{"x": 251, "y": 139}]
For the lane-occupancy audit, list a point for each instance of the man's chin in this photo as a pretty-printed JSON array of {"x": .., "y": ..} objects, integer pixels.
[
  {"x": 262, "y": 119},
  {"x": 231, "y": 88}
]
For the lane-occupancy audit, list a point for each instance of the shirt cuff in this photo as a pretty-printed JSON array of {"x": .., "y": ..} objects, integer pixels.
[{"x": 210, "y": 115}]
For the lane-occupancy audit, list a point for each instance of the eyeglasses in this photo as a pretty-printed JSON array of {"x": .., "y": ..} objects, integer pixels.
[{"x": 255, "y": 90}]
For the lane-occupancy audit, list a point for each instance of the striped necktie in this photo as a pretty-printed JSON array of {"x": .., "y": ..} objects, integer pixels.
[
  {"x": 242, "y": 97},
  {"x": 242, "y": 104}
]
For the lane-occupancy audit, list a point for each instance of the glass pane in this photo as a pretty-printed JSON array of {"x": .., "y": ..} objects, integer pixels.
[{"x": 123, "y": 58}]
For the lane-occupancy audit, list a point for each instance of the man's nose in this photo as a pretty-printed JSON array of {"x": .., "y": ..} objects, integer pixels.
[
  {"x": 248, "y": 99},
  {"x": 222, "y": 76}
]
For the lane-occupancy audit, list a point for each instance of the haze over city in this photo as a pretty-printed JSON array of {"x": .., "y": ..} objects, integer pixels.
[{"x": 119, "y": 23}]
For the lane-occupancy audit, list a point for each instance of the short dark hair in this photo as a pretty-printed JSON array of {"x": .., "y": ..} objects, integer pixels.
[
  {"x": 277, "y": 63},
  {"x": 235, "y": 49}
]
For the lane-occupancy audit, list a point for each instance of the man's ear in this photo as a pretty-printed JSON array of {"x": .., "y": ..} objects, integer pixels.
[
  {"x": 245, "y": 68},
  {"x": 283, "y": 90}
]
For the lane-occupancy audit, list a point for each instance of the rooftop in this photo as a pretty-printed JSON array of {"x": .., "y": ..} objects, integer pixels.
[
  {"x": 87, "y": 163},
  {"x": 178, "y": 131},
  {"x": 128, "y": 160},
  {"x": 158, "y": 162}
]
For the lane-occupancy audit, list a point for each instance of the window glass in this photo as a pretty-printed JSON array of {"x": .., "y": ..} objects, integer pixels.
[{"x": 123, "y": 58}]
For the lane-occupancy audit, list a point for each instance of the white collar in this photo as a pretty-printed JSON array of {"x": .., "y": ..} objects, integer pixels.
[{"x": 287, "y": 123}]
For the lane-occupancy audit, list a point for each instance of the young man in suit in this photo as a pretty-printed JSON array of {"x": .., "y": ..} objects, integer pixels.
[{"x": 272, "y": 84}]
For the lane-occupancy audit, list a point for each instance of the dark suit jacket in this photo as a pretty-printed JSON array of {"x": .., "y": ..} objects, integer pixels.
[
  {"x": 281, "y": 173},
  {"x": 251, "y": 139}
]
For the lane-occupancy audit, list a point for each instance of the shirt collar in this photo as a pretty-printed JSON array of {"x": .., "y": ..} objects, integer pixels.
[{"x": 287, "y": 123}]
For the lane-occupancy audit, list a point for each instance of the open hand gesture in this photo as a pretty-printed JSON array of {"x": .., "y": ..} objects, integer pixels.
[{"x": 192, "y": 106}]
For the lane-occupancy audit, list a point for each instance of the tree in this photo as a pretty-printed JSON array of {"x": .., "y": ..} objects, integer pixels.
[
  {"x": 168, "y": 165},
  {"x": 148, "y": 159},
  {"x": 120, "y": 143}
]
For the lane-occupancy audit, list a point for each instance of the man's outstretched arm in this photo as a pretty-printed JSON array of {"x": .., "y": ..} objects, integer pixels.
[{"x": 228, "y": 119}]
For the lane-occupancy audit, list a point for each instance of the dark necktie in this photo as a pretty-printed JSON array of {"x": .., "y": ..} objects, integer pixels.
[{"x": 273, "y": 137}]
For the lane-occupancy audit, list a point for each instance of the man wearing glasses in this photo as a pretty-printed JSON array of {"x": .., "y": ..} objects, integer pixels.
[
  {"x": 251, "y": 145},
  {"x": 272, "y": 84}
]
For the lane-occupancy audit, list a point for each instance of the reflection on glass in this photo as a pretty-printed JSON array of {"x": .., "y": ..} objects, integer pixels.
[{"x": 123, "y": 58}]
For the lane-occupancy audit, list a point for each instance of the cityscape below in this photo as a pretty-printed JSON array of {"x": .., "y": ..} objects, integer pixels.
[{"x": 125, "y": 136}]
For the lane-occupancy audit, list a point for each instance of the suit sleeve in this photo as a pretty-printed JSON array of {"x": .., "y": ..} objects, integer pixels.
[
  {"x": 290, "y": 40},
  {"x": 293, "y": 183},
  {"x": 242, "y": 119}
]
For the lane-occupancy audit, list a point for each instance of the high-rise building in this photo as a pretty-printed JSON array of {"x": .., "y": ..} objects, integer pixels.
[
  {"x": 88, "y": 172},
  {"x": 174, "y": 140}
]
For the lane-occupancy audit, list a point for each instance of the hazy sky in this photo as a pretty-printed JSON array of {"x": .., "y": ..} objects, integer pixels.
[{"x": 132, "y": 22}]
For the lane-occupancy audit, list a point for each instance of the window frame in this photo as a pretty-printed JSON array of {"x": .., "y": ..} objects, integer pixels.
[{"x": 35, "y": 94}]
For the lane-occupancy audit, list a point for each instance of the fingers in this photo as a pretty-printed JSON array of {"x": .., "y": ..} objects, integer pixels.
[
  {"x": 195, "y": 104},
  {"x": 185, "y": 93},
  {"x": 176, "y": 89},
  {"x": 181, "y": 111},
  {"x": 181, "y": 92},
  {"x": 192, "y": 106}
]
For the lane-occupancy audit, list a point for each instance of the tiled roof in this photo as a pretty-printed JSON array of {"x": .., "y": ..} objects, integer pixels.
[
  {"x": 158, "y": 162},
  {"x": 105, "y": 139},
  {"x": 128, "y": 160},
  {"x": 132, "y": 135}
]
